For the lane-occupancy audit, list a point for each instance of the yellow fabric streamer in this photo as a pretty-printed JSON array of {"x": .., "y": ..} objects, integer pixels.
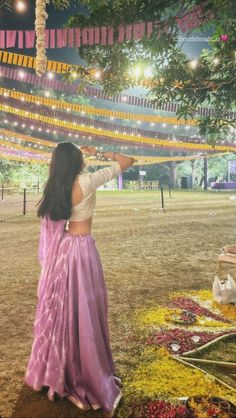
[
  {"x": 27, "y": 138},
  {"x": 12, "y": 145},
  {"x": 143, "y": 158},
  {"x": 59, "y": 104},
  {"x": 4, "y": 156},
  {"x": 110, "y": 134},
  {"x": 27, "y": 61}
]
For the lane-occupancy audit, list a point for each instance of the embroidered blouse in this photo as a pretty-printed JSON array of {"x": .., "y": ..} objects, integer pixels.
[{"x": 89, "y": 182}]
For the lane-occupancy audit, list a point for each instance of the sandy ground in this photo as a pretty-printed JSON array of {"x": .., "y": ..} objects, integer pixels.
[{"x": 145, "y": 253}]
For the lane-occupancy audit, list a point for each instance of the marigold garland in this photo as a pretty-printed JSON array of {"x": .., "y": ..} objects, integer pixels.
[
  {"x": 40, "y": 25},
  {"x": 159, "y": 375}
]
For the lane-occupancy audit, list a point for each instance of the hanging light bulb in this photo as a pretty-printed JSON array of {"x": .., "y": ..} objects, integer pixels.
[
  {"x": 216, "y": 61},
  {"x": 98, "y": 74},
  {"x": 74, "y": 75},
  {"x": 21, "y": 6},
  {"x": 137, "y": 71},
  {"x": 148, "y": 72},
  {"x": 193, "y": 64},
  {"x": 50, "y": 75}
]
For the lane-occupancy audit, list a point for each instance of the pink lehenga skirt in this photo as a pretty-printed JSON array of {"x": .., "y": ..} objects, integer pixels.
[{"x": 71, "y": 352}]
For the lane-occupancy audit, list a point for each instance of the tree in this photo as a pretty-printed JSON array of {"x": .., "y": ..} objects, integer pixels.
[{"x": 211, "y": 81}]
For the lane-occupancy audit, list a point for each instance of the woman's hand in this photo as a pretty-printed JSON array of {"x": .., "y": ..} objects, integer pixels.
[{"x": 88, "y": 150}]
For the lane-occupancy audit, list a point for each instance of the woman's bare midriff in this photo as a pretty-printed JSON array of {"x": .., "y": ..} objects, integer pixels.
[{"x": 80, "y": 228}]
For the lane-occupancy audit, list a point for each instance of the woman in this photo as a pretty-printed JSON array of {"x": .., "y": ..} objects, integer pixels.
[{"x": 71, "y": 353}]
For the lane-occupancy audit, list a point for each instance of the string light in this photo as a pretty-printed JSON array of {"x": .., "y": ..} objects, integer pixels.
[
  {"x": 193, "y": 64},
  {"x": 21, "y": 74},
  {"x": 98, "y": 74},
  {"x": 148, "y": 72},
  {"x": 74, "y": 75},
  {"x": 47, "y": 94},
  {"x": 216, "y": 61},
  {"x": 50, "y": 76},
  {"x": 20, "y": 6}
]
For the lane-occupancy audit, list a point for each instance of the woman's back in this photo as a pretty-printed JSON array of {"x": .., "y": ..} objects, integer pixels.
[{"x": 84, "y": 197}]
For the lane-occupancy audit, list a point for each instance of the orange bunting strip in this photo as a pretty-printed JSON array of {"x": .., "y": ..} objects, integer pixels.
[
  {"x": 111, "y": 134},
  {"x": 27, "y": 61},
  {"x": 92, "y": 110}
]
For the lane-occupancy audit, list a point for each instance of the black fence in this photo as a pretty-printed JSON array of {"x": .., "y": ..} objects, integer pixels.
[{"x": 17, "y": 202}]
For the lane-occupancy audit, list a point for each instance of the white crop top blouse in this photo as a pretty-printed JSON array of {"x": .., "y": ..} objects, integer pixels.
[{"x": 89, "y": 182}]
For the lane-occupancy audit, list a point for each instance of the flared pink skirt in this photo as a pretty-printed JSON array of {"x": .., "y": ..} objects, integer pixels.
[{"x": 71, "y": 352}]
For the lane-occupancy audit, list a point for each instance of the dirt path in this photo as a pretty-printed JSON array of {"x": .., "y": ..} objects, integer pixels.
[{"x": 145, "y": 254}]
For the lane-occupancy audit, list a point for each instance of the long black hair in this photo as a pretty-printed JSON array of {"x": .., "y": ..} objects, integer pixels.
[{"x": 66, "y": 162}]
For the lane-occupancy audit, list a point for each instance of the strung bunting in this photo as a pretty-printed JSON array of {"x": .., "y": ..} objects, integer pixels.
[
  {"x": 10, "y": 156},
  {"x": 59, "y": 104},
  {"x": 26, "y": 61},
  {"x": 88, "y": 121},
  {"x": 30, "y": 62},
  {"x": 27, "y": 138},
  {"x": 122, "y": 137},
  {"x": 7, "y": 143},
  {"x": 101, "y": 35},
  {"x": 54, "y": 84},
  {"x": 22, "y": 153}
]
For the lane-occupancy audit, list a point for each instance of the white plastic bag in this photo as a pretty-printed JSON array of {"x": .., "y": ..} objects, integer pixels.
[{"x": 224, "y": 291}]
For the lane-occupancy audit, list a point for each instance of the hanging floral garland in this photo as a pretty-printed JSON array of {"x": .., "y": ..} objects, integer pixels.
[{"x": 40, "y": 25}]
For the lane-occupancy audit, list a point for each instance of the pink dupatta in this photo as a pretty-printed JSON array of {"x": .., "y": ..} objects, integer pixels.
[{"x": 51, "y": 233}]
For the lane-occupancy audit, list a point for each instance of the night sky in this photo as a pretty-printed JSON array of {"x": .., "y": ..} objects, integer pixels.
[{"x": 56, "y": 19}]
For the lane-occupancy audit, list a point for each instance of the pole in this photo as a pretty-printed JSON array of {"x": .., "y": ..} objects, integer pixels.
[
  {"x": 228, "y": 171},
  {"x": 38, "y": 186},
  {"x": 162, "y": 198},
  {"x": 170, "y": 192},
  {"x": 2, "y": 191},
  {"x": 205, "y": 173},
  {"x": 24, "y": 202},
  {"x": 120, "y": 182}
]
